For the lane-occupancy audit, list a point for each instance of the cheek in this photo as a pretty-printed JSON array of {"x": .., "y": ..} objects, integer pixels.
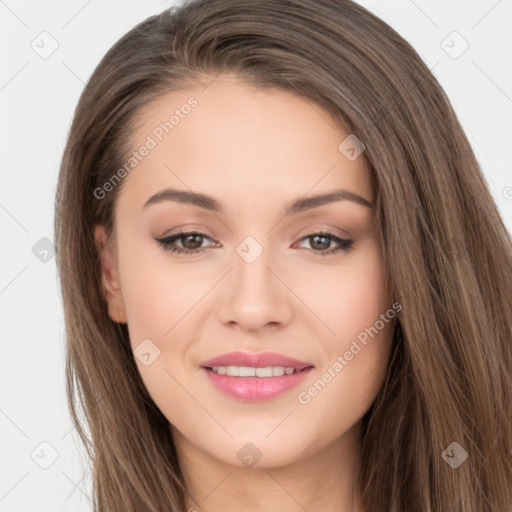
[
  {"x": 158, "y": 297},
  {"x": 350, "y": 297},
  {"x": 156, "y": 293},
  {"x": 359, "y": 341}
]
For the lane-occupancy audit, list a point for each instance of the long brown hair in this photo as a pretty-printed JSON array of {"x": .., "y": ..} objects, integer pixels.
[{"x": 447, "y": 251}]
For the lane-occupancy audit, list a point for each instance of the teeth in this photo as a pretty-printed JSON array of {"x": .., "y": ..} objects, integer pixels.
[{"x": 247, "y": 371}]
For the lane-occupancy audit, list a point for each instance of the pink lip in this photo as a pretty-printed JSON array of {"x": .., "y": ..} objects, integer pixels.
[
  {"x": 255, "y": 389},
  {"x": 258, "y": 360}
]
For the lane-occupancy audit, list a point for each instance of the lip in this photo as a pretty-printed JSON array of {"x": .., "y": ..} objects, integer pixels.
[
  {"x": 256, "y": 389},
  {"x": 257, "y": 360}
]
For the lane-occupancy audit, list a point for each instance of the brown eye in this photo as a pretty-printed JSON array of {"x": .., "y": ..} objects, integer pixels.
[{"x": 191, "y": 242}]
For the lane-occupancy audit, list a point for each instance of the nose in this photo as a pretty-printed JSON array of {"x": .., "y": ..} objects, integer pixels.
[{"x": 255, "y": 295}]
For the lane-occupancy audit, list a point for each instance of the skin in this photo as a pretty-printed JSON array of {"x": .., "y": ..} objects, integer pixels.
[{"x": 255, "y": 151}]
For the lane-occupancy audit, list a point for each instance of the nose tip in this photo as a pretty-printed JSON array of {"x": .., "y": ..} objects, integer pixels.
[{"x": 254, "y": 296}]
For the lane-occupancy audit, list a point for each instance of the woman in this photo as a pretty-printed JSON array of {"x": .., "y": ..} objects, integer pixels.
[{"x": 286, "y": 284}]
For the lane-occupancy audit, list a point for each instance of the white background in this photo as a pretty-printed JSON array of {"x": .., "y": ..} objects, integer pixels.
[{"x": 37, "y": 98}]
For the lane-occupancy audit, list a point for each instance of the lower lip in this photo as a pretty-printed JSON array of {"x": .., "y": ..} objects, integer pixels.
[{"x": 256, "y": 389}]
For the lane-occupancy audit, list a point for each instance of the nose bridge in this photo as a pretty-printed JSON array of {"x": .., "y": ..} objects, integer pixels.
[
  {"x": 256, "y": 296},
  {"x": 252, "y": 263}
]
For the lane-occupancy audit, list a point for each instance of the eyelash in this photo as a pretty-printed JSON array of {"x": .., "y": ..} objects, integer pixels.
[{"x": 345, "y": 244}]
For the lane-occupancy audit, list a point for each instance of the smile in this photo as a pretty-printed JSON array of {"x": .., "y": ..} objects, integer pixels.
[
  {"x": 255, "y": 384},
  {"x": 248, "y": 371}
]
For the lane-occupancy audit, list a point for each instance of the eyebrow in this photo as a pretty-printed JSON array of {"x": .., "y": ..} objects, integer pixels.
[{"x": 299, "y": 205}]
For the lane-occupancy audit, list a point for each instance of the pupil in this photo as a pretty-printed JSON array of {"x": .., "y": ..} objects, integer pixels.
[
  {"x": 324, "y": 245},
  {"x": 188, "y": 237}
]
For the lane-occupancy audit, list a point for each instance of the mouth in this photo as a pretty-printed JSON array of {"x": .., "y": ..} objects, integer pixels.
[
  {"x": 255, "y": 377},
  {"x": 245, "y": 364},
  {"x": 255, "y": 383},
  {"x": 258, "y": 372}
]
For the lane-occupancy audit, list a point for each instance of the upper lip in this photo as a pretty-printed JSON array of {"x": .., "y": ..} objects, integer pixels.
[{"x": 255, "y": 360}]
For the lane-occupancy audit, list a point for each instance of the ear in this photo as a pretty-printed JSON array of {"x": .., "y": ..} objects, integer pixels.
[{"x": 109, "y": 276}]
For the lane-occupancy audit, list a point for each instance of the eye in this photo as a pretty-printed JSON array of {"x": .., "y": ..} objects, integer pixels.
[
  {"x": 324, "y": 238},
  {"x": 192, "y": 242},
  {"x": 192, "y": 239}
]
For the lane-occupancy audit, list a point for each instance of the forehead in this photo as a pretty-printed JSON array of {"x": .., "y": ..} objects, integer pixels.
[{"x": 234, "y": 141}]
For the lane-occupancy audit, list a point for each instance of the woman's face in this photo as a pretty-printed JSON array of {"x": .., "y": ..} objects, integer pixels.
[{"x": 256, "y": 279}]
